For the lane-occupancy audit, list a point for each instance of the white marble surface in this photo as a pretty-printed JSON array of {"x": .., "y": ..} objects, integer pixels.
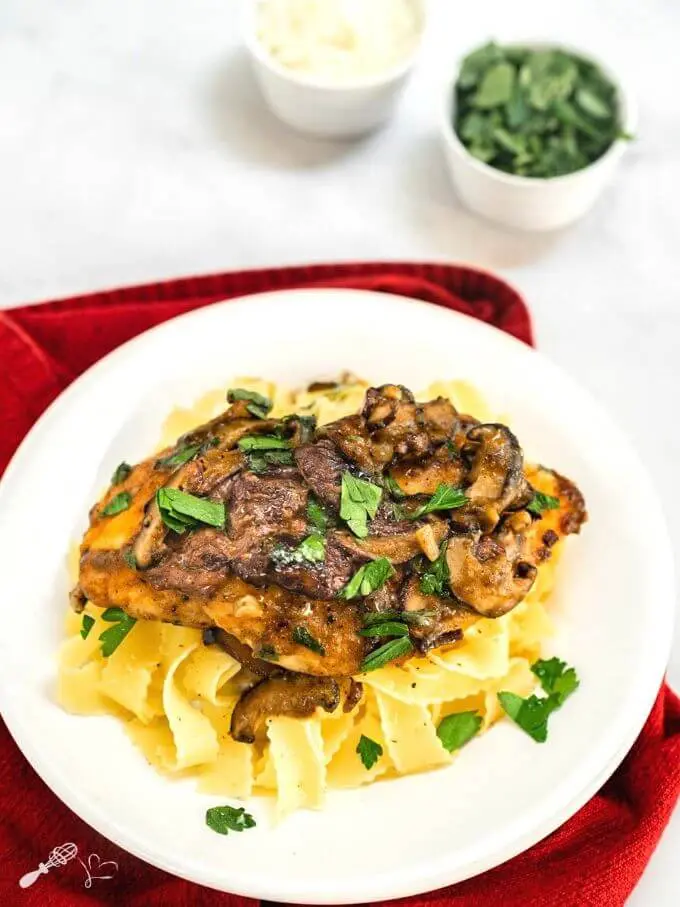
[{"x": 134, "y": 146}]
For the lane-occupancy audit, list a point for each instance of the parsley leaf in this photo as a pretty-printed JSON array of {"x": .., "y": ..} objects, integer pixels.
[
  {"x": 260, "y": 460},
  {"x": 257, "y": 405},
  {"x": 388, "y": 652},
  {"x": 310, "y": 550},
  {"x": 316, "y": 515},
  {"x": 435, "y": 580},
  {"x": 121, "y": 473},
  {"x": 411, "y": 618},
  {"x": 359, "y": 500},
  {"x": 393, "y": 487},
  {"x": 117, "y": 504},
  {"x": 368, "y": 578},
  {"x": 88, "y": 623},
  {"x": 455, "y": 730},
  {"x": 263, "y": 442},
  {"x": 112, "y": 637},
  {"x": 181, "y": 511},
  {"x": 530, "y": 714},
  {"x": 224, "y": 819},
  {"x": 385, "y": 628},
  {"x": 179, "y": 457},
  {"x": 369, "y": 751},
  {"x": 555, "y": 680},
  {"x": 303, "y": 637},
  {"x": 541, "y": 502},
  {"x": 446, "y": 497}
]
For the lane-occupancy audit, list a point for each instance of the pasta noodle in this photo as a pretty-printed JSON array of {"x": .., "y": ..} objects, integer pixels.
[{"x": 176, "y": 696}]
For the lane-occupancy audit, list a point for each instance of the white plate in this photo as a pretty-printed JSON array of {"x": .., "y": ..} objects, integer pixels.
[{"x": 614, "y": 604}]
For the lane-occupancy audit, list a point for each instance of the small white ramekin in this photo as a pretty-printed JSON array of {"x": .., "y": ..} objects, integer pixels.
[
  {"x": 318, "y": 106},
  {"x": 531, "y": 203}
]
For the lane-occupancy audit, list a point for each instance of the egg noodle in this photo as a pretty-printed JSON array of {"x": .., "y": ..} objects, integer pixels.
[{"x": 175, "y": 695}]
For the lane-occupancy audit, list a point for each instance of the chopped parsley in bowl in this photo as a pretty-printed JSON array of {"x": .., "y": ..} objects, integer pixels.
[{"x": 535, "y": 112}]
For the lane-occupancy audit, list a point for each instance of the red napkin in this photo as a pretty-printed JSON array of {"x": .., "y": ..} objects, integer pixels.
[{"x": 595, "y": 858}]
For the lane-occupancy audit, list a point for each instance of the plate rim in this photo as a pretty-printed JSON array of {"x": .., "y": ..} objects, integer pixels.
[{"x": 382, "y": 886}]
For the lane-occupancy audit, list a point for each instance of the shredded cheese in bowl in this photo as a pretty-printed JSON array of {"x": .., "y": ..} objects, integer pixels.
[{"x": 339, "y": 40}]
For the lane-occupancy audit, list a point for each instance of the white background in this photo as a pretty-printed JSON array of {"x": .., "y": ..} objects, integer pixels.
[{"x": 134, "y": 146}]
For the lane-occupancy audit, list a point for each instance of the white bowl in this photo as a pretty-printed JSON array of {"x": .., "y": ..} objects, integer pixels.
[
  {"x": 321, "y": 107},
  {"x": 530, "y": 203},
  {"x": 613, "y": 605}
]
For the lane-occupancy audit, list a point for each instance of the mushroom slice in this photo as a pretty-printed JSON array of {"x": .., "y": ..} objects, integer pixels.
[
  {"x": 497, "y": 480},
  {"x": 243, "y": 654},
  {"x": 397, "y": 548},
  {"x": 197, "y": 476},
  {"x": 440, "y": 419},
  {"x": 426, "y": 476},
  {"x": 443, "y": 620},
  {"x": 292, "y": 695},
  {"x": 493, "y": 573}
]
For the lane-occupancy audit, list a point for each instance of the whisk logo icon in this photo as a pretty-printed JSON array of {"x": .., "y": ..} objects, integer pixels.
[{"x": 61, "y": 855}]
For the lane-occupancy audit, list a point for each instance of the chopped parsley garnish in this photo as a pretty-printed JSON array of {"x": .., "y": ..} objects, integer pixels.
[
  {"x": 541, "y": 502},
  {"x": 224, "y": 819},
  {"x": 112, "y": 637},
  {"x": 411, "y": 618},
  {"x": 121, "y": 473},
  {"x": 446, "y": 497},
  {"x": 359, "y": 500},
  {"x": 369, "y": 751},
  {"x": 88, "y": 623},
  {"x": 260, "y": 460},
  {"x": 388, "y": 652},
  {"x": 303, "y": 637},
  {"x": 435, "y": 580},
  {"x": 310, "y": 550},
  {"x": 179, "y": 457},
  {"x": 532, "y": 713},
  {"x": 257, "y": 405},
  {"x": 368, "y": 578},
  {"x": 385, "y": 628},
  {"x": 306, "y": 426},
  {"x": 556, "y": 678},
  {"x": 263, "y": 442},
  {"x": 455, "y": 730},
  {"x": 181, "y": 511},
  {"x": 393, "y": 488},
  {"x": 316, "y": 515},
  {"x": 117, "y": 504},
  {"x": 130, "y": 559}
]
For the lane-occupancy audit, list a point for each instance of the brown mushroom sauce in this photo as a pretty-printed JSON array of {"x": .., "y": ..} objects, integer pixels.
[{"x": 283, "y": 616}]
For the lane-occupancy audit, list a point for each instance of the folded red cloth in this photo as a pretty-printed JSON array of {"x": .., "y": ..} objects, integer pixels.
[{"x": 594, "y": 859}]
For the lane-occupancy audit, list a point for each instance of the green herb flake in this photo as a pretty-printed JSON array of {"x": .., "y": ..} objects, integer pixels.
[
  {"x": 113, "y": 636},
  {"x": 117, "y": 504},
  {"x": 268, "y": 653},
  {"x": 179, "y": 457},
  {"x": 455, "y": 730},
  {"x": 556, "y": 678},
  {"x": 224, "y": 819},
  {"x": 130, "y": 559},
  {"x": 435, "y": 580},
  {"x": 410, "y": 618},
  {"x": 541, "y": 502},
  {"x": 388, "y": 652},
  {"x": 257, "y": 405},
  {"x": 385, "y": 628},
  {"x": 88, "y": 623},
  {"x": 368, "y": 578},
  {"x": 181, "y": 511},
  {"x": 260, "y": 461},
  {"x": 316, "y": 515},
  {"x": 121, "y": 473},
  {"x": 369, "y": 751},
  {"x": 359, "y": 500},
  {"x": 310, "y": 550},
  {"x": 263, "y": 442},
  {"x": 393, "y": 487},
  {"x": 446, "y": 497},
  {"x": 303, "y": 637}
]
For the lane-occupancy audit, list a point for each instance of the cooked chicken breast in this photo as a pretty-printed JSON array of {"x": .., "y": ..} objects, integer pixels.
[{"x": 288, "y": 539}]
